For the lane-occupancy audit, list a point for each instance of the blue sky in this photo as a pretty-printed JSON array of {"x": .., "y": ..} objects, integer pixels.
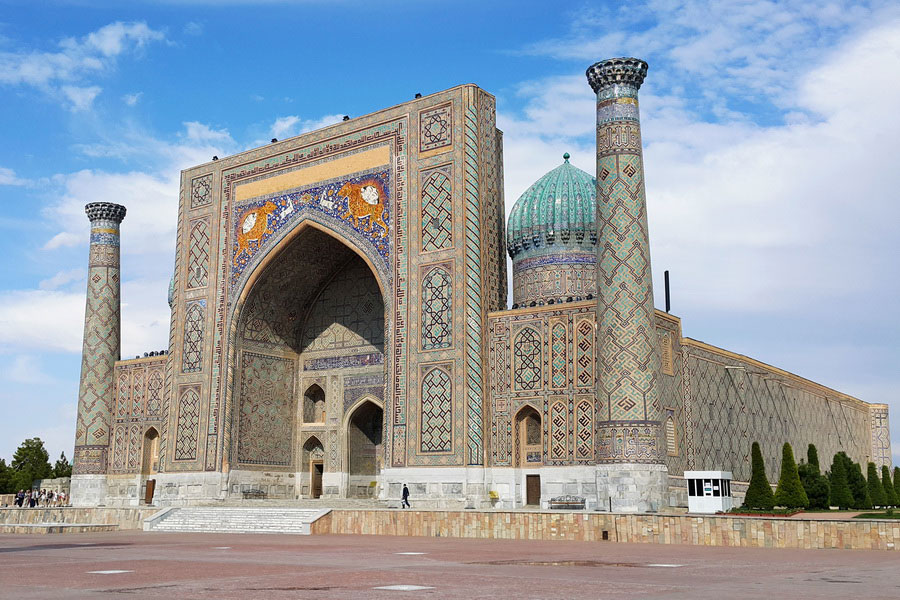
[{"x": 770, "y": 131}]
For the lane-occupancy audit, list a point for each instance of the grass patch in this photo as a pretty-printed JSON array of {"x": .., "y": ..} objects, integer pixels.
[
  {"x": 774, "y": 512},
  {"x": 879, "y": 515}
]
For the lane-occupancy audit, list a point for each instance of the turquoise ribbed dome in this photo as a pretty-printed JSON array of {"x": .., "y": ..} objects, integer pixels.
[{"x": 557, "y": 211}]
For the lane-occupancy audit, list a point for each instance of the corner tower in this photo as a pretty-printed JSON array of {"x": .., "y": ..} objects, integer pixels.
[
  {"x": 102, "y": 334},
  {"x": 630, "y": 461}
]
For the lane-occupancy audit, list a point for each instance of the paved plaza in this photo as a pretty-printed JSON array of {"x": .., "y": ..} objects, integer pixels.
[{"x": 168, "y": 565}]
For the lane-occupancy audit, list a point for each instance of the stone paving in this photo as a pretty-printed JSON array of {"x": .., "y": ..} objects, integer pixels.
[{"x": 224, "y": 566}]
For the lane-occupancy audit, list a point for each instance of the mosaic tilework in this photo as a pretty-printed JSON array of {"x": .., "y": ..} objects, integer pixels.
[
  {"x": 266, "y": 431},
  {"x": 201, "y": 191},
  {"x": 437, "y": 411},
  {"x": 361, "y": 201},
  {"x": 527, "y": 370},
  {"x": 728, "y": 409},
  {"x": 436, "y": 128},
  {"x": 474, "y": 290},
  {"x": 584, "y": 430},
  {"x": 326, "y": 363},
  {"x": 138, "y": 407},
  {"x": 493, "y": 210},
  {"x": 629, "y": 354},
  {"x": 881, "y": 435},
  {"x": 96, "y": 393},
  {"x": 559, "y": 430},
  {"x": 188, "y": 427},
  {"x": 437, "y": 309},
  {"x": 559, "y": 356},
  {"x": 437, "y": 206},
  {"x": 585, "y": 338},
  {"x": 198, "y": 254},
  {"x": 192, "y": 352}
]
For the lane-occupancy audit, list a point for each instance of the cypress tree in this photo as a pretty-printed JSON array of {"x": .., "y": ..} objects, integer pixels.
[
  {"x": 759, "y": 492},
  {"x": 858, "y": 486},
  {"x": 790, "y": 492},
  {"x": 897, "y": 483},
  {"x": 876, "y": 491},
  {"x": 815, "y": 484},
  {"x": 889, "y": 494},
  {"x": 812, "y": 457},
  {"x": 841, "y": 496}
]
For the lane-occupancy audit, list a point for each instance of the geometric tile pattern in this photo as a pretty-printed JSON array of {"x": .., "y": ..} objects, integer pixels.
[
  {"x": 192, "y": 353},
  {"x": 474, "y": 291},
  {"x": 437, "y": 218},
  {"x": 584, "y": 430},
  {"x": 201, "y": 191},
  {"x": 527, "y": 360},
  {"x": 435, "y": 128},
  {"x": 437, "y": 411},
  {"x": 138, "y": 407},
  {"x": 188, "y": 426},
  {"x": 198, "y": 254},
  {"x": 881, "y": 435},
  {"x": 266, "y": 420},
  {"x": 559, "y": 430},
  {"x": 559, "y": 376},
  {"x": 96, "y": 393},
  {"x": 629, "y": 354},
  {"x": 584, "y": 353},
  {"x": 437, "y": 309}
]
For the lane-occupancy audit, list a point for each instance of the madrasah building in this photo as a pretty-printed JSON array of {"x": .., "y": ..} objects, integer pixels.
[{"x": 340, "y": 327}]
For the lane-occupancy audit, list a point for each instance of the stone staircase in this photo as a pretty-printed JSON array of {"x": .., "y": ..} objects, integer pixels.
[{"x": 226, "y": 519}]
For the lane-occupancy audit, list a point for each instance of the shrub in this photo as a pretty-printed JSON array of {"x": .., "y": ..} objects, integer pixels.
[
  {"x": 889, "y": 494},
  {"x": 759, "y": 492},
  {"x": 876, "y": 490},
  {"x": 897, "y": 483},
  {"x": 858, "y": 486},
  {"x": 841, "y": 496},
  {"x": 790, "y": 492},
  {"x": 812, "y": 457},
  {"x": 815, "y": 484}
]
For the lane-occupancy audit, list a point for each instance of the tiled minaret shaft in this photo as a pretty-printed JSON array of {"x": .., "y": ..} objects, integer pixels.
[
  {"x": 96, "y": 392},
  {"x": 628, "y": 390}
]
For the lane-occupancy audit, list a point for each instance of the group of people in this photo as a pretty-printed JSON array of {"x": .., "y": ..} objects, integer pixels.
[{"x": 42, "y": 498}]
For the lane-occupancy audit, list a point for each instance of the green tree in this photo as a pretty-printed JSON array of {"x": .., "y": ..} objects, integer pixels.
[
  {"x": 897, "y": 483},
  {"x": 876, "y": 490},
  {"x": 841, "y": 496},
  {"x": 815, "y": 484},
  {"x": 6, "y": 473},
  {"x": 859, "y": 487},
  {"x": 30, "y": 462},
  {"x": 62, "y": 468},
  {"x": 759, "y": 492},
  {"x": 889, "y": 493},
  {"x": 790, "y": 492},
  {"x": 812, "y": 457}
]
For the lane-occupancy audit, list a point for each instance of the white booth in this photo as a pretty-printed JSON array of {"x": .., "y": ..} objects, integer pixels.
[{"x": 709, "y": 491}]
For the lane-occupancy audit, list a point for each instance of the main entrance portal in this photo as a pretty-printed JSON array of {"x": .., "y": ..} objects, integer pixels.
[{"x": 310, "y": 347}]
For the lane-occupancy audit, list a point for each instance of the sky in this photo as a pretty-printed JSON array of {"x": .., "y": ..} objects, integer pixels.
[{"x": 771, "y": 143}]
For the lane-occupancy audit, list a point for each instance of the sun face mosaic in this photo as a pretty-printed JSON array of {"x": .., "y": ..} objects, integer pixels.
[{"x": 361, "y": 201}]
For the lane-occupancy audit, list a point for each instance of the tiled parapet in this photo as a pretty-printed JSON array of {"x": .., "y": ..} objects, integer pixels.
[
  {"x": 629, "y": 364},
  {"x": 101, "y": 340}
]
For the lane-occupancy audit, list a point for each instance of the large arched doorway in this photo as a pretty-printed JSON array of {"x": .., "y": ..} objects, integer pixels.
[
  {"x": 310, "y": 333},
  {"x": 364, "y": 448}
]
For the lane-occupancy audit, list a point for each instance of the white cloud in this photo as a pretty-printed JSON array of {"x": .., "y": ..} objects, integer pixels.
[
  {"x": 42, "y": 320},
  {"x": 8, "y": 177},
  {"x": 62, "y": 278},
  {"x": 26, "y": 368},
  {"x": 132, "y": 99},
  {"x": 81, "y": 98},
  {"x": 63, "y": 73},
  {"x": 193, "y": 28},
  {"x": 292, "y": 125}
]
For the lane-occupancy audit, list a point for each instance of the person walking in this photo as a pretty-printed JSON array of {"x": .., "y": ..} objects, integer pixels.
[{"x": 405, "y": 497}]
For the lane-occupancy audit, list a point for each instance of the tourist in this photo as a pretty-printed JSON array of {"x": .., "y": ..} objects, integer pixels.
[
  {"x": 405, "y": 497},
  {"x": 20, "y": 498}
]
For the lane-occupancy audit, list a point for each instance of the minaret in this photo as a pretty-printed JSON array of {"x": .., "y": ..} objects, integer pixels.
[
  {"x": 96, "y": 392},
  {"x": 631, "y": 474}
]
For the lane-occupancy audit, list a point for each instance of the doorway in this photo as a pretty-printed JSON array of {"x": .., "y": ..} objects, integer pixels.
[
  {"x": 533, "y": 490},
  {"x": 364, "y": 441},
  {"x": 317, "y": 468}
]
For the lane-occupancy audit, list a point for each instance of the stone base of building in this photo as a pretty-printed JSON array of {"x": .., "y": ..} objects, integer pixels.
[
  {"x": 88, "y": 490},
  {"x": 632, "y": 487}
]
